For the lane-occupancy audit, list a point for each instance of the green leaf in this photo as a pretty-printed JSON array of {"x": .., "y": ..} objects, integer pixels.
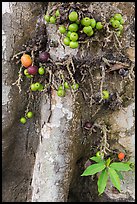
[
  {"x": 120, "y": 175},
  {"x": 108, "y": 161},
  {"x": 120, "y": 166},
  {"x": 102, "y": 181},
  {"x": 131, "y": 164},
  {"x": 93, "y": 169},
  {"x": 97, "y": 159},
  {"x": 114, "y": 178}
]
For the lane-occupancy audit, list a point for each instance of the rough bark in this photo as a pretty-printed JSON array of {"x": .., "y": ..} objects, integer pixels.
[
  {"x": 43, "y": 160},
  {"x": 19, "y": 144}
]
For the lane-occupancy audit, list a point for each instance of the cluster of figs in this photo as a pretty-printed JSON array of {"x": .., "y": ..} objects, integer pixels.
[
  {"x": 30, "y": 71},
  {"x": 30, "y": 68}
]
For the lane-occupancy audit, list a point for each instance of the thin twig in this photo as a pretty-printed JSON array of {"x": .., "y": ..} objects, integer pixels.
[
  {"x": 131, "y": 72},
  {"x": 17, "y": 82},
  {"x": 29, "y": 102},
  {"x": 91, "y": 87},
  {"x": 32, "y": 57},
  {"x": 16, "y": 55},
  {"x": 101, "y": 84},
  {"x": 62, "y": 77},
  {"x": 53, "y": 8},
  {"x": 97, "y": 110},
  {"x": 72, "y": 64},
  {"x": 107, "y": 39},
  {"x": 106, "y": 61},
  {"x": 70, "y": 73},
  {"x": 83, "y": 73},
  {"x": 117, "y": 40},
  {"x": 104, "y": 144}
]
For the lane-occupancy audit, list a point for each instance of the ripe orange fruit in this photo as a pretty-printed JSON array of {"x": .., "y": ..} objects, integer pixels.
[
  {"x": 26, "y": 60},
  {"x": 121, "y": 155}
]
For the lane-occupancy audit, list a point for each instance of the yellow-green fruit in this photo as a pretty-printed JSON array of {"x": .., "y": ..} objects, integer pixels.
[
  {"x": 122, "y": 21},
  {"x": 74, "y": 36},
  {"x": 90, "y": 34},
  {"x": 115, "y": 23},
  {"x": 41, "y": 70},
  {"x": 57, "y": 14},
  {"x": 86, "y": 21},
  {"x": 118, "y": 33},
  {"x": 105, "y": 94},
  {"x": 23, "y": 120},
  {"x": 93, "y": 22},
  {"x": 40, "y": 88},
  {"x": 29, "y": 114},
  {"x": 75, "y": 86},
  {"x": 61, "y": 92},
  {"x": 66, "y": 41},
  {"x": 118, "y": 16},
  {"x": 87, "y": 29},
  {"x": 120, "y": 28},
  {"x": 99, "y": 154},
  {"x": 73, "y": 45},
  {"x": 29, "y": 76},
  {"x": 60, "y": 87},
  {"x": 68, "y": 34},
  {"x": 52, "y": 20},
  {"x": 66, "y": 85},
  {"x": 111, "y": 20},
  {"x": 73, "y": 16},
  {"x": 62, "y": 29},
  {"x": 33, "y": 87},
  {"x": 26, "y": 72},
  {"x": 47, "y": 18},
  {"x": 37, "y": 85},
  {"x": 73, "y": 27},
  {"x": 99, "y": 25}
]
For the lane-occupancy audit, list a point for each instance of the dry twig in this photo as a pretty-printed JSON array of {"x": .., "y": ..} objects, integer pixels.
[
  {"x": 18, "y": 81},
  {"x": 16, "y": 55},
  {"x": 101, "y": 84}
]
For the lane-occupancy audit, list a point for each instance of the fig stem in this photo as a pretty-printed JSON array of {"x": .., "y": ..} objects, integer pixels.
[{"x": 19, "y": 53}]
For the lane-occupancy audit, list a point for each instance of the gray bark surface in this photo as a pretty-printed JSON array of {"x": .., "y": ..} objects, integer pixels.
[
  {"x": 43, "y": 160},
  {"x": 19, "y": 144}
]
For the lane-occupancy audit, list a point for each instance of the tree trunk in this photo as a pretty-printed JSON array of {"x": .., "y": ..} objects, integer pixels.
[{"x": 43, "y": 159}]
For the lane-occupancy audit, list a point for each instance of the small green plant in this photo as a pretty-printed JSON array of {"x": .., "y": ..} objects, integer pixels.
[{"x": 107, "y": 170}]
